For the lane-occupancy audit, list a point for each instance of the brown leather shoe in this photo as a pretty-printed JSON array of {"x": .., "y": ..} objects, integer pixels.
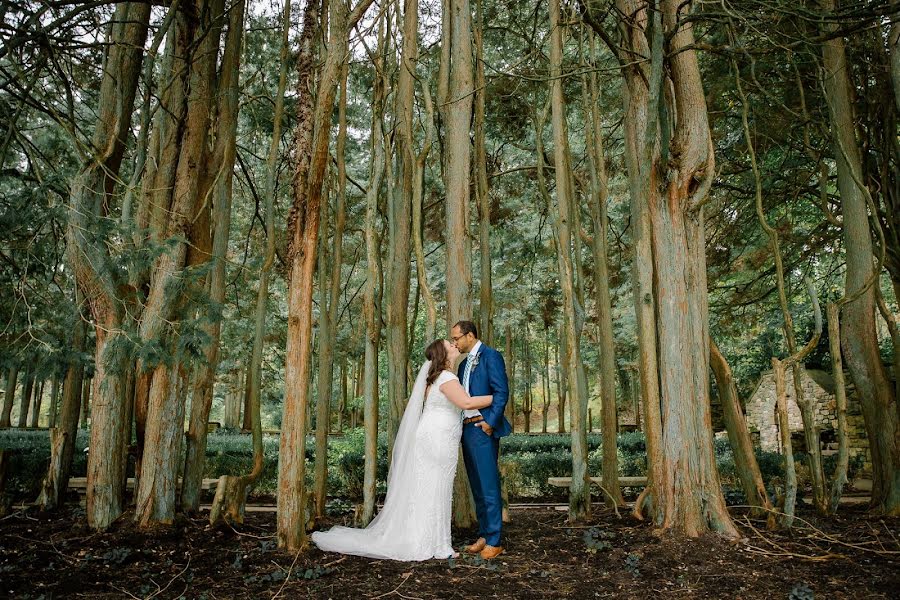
[
  {"x": 477, "y": 547},
  {"x": 490, "y": 552}
]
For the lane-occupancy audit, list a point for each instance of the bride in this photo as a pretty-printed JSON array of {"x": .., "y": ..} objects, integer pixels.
[{"x": 414, "y": 523}]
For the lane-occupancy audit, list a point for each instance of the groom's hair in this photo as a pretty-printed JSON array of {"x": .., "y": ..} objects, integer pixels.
[{"x": 466, "y": 327}]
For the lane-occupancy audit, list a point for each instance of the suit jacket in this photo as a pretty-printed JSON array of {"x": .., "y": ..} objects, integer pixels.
[{"x": 488, "y": 377}]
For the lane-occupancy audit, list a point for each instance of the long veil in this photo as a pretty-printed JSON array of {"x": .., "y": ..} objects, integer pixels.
[{"x": 386, "y": 536}]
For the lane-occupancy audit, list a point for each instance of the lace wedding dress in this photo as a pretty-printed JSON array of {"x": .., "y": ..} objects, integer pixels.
[{"x": 414, "y": 523}]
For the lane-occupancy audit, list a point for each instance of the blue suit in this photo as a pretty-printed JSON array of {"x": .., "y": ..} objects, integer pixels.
[{"x": 481, "y": 451}]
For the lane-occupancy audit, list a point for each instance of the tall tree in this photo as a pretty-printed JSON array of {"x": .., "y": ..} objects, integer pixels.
[
  {"x": 312, "y": 137},
  {"x": 399, "y": 219},
  {"x": 223, "y": 158},
  {"x": 671, "y": 168},
  {"x": 579, "y": 490},
  {"x": 330, "y": 292},
  {"x": 455, "y": 89},
  {"x": 96, "y": 276},
  {"x": 597, "y": 203},
  {"x": 63, "y": 435},
  {"x": 372, "y": 301},
  {"x": 858, "y": 334},
  {"x": 163, "y": 387}
]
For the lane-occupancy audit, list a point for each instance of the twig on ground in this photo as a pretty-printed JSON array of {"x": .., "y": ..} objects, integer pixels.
[
  {"x": 286, "y": 579},
  {"x": 171, "y": 581},
  {"x": 826, "y": 536},
  {"x": 334, "y": 562},
  {"x": 124, "y": 591},
  {"x": 405, "y": 577},
  {"x": 250, "y": 535}
]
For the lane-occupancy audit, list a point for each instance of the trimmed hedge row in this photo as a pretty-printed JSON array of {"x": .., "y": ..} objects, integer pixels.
[{"x": 526, "y": 461}]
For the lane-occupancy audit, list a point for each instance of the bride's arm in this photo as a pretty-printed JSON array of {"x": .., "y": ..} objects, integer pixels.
[{"x": 458, "y": 396}]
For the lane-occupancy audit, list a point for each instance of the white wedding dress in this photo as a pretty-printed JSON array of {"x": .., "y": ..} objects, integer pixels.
[{"x": 414, "y": 523}]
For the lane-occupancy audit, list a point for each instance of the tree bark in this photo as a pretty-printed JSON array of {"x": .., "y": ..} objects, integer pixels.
[
  {"x": 510, "y": 411},
  {"x": 12, "y": 376},
  {"x": 840, "y": 401},
  {"x": 598, "y": 209},
  {"x": 527, "y": 398},
  {"x": 25, "y": 398},
  {"x": 482, "y": 199},
  {"x": 63, "y": 435},
  {"x": 455, "y": 90},
  {"x": 670, "y": 179},
  {"x": 545, "y": 380},
  {"x": 88, "y": 254},
  {"x": 330, "y": 292},
  {"x": 858, "y": 334},
  {"x": 54, "y": 401},
  {"x": 165, "y": 385},
  {"x": 36, "y": 405},
  {"x": 738, "y": 435},
  {"x": 579, "y": 490},
  {"x": 86, "y": 403},
  {"x": 224, "y": 153},
  {"x": 312, "y": 141},
  {"x": 372, "y": 304},
  {"x": 399, "y": 220}
]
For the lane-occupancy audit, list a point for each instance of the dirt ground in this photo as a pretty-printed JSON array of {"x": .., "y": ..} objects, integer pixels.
[{"x": 55, "y": 556}]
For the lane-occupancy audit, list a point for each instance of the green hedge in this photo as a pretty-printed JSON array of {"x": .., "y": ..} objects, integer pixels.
[{"x": 527, "y": 461}]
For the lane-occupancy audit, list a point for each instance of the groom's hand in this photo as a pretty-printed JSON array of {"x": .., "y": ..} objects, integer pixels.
[{"x": 485, "y": 427}]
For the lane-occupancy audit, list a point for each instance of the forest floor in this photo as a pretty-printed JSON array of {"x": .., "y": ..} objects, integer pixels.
[{"x": 851, "y": 556}]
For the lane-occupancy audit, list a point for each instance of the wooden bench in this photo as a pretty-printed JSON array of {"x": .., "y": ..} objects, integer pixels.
[
  {"x": 79, "y": 484},
  {"x": 623, "y": 481}
]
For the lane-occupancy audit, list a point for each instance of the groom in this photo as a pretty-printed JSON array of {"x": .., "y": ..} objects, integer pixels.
[{"x": 483, "y": 373}]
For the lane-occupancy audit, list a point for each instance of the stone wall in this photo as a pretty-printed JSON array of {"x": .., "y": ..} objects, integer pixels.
[{"x": 818, "y": 385}]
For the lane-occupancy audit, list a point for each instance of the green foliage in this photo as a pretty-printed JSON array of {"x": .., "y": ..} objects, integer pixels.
[
  {"x": 527, "y": 461},
  {"x": 801, "y": 591},
  {"x": 598, "y": 540}
]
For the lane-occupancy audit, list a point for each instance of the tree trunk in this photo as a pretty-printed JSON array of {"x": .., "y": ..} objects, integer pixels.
[
  {"x": 668, "y": 191},
  {"x": 417, "y": 218},
  {"x": 312, "y": 140},
  {"x": 510, "y": 411},
  {"x": 840, "y": 401},
  {"x": 482, "y": 200},
  {"x": 527, "y": 397},
  {"x": 372, "y": 304},
  {"x": 579, "y": 490},
  {"x": 54, "y": 401},
  {"x": 197, "y": 31},
  {"x": 598, "y": 210},
  {"x": 9, "y": 396},
  {"x": 36, "y": 405},
  {"x": 86, "y": 387},
  {"x": 455, "y": 89},
  {"x": 25, "y": 398},
  {"x": 458, "y": 159},
  {"x": 231, "y": 413},
  {"x": 807, "y": 410},
  {"x": 738, "y": 435},
  {"x": 562, "y": 385},
  {"x": 330, "y": 292},
  {"x": 545, "y": 380},
  {"x": 399, "y": 214},
  {"x": 858, "y": 334},
  {"x": 224, "y": 153},
  {"x": 291, "y": 485},
  {"x": 63, "y": 435}
]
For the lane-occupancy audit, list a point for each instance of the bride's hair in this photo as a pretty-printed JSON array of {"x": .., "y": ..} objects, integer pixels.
[{"x": 436, "y": 352}]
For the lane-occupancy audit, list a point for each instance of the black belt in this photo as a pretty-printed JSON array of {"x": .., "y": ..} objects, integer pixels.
[{"x": 473, "y": 420}]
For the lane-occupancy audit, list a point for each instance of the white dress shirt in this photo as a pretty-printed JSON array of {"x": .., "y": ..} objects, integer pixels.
[{"x": 474, "y": 412}]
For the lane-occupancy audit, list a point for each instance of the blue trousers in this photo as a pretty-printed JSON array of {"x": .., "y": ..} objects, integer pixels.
[{"x": 480, "y": 453}]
